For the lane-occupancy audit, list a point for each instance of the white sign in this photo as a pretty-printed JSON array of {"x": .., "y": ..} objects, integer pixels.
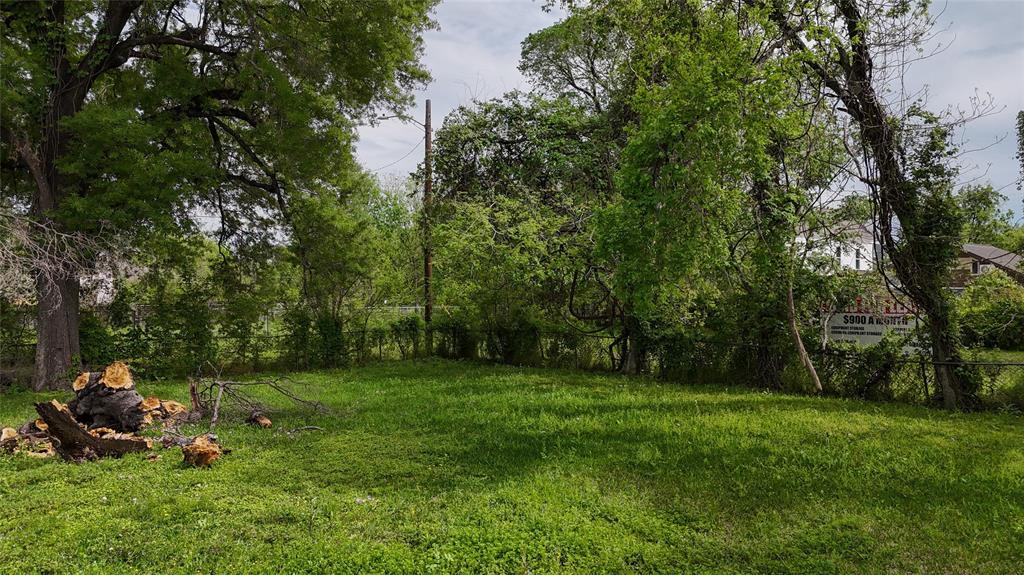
[{"x": 858, "y": 324}]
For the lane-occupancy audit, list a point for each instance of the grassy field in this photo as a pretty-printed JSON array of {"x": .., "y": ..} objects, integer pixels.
[{"x": 454, "y": 468}]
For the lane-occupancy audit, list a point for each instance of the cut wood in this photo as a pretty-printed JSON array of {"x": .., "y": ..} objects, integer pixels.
[
  {"x": 102, "y": 420},
  {"x": 30, "y": 439},
  {"x": 259, "y": 419},
  {"x": 108, "y": 399},
  {"x": 74, "y": 443},
  {"x": 202, "y": 451}
]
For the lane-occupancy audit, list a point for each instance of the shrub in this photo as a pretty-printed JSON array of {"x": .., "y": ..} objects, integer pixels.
[
  {"x": 1010, "y": 396},
  {"x": 98, "y": 343},
  {"x": 405, "y": 332},
  {"x": 992, "y": 312},
  {"x": 296, "y": 345},
  {"x": 330, "y": 348},
  {"x": 516, "y": 342},
  {"x": 376, "y": 340},
  {"x": 454, "y": 339},
  {"x": 850, "y": 370}
]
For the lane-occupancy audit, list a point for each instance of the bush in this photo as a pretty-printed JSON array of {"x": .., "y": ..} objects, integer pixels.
[
  {"x": 454, "y": 339},
  {"x": 377, "y": 340},
  {"x": 992, "y": 312},
  {"x": 98, "y": 343},
  {"x": 298, "y": 337},
  {"x": 330, "y": 349},
  {"x": 406, "y": 332},
  {"x": 850, "y": 370},
  {"x": 516, "y": 343},
  {"x": 1010, "y": 396}
]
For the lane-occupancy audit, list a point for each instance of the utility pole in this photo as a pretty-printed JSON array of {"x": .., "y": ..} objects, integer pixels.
[{"x": 428, "y": 256}]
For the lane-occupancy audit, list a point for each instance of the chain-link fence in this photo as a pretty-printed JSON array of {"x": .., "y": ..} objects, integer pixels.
[{"x": 866, "y": 373}]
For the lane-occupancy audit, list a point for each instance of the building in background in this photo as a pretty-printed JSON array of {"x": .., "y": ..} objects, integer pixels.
[{"x": 977, "y": 259}]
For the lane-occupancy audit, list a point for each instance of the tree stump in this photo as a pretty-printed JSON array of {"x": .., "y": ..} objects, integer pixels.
[{"x": 108, "y": 399}]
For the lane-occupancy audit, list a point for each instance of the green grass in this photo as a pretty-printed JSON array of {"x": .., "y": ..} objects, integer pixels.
[{"x": 461, "y": 468}]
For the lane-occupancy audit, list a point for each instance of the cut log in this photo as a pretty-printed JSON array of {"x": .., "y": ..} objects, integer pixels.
[
  {"x": 202, "y": 451},
  {"x": 101, "y": 421},
  {"x": 171, "y": 407},
  {"x": 259, "y": 419},
  {"x": 74, "y": 443},
  {"x": 117, "y": 376},
  {"x": 109, "y": 399},
  {"x": 8, "y": 440}
]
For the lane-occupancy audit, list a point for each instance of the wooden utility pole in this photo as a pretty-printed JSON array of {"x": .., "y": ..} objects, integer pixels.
[{"x": 428, "y": 256}]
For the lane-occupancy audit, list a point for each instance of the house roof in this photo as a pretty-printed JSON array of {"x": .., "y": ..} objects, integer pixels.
[
  {"x": 844, "y": 229},
  {"x": 1007, "y": 261}
]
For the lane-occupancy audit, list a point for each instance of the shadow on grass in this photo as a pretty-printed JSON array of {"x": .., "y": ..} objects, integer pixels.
[{"x": 735, "y": 449}]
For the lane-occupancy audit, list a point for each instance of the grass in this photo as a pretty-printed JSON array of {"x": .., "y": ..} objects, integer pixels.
[{"x": 461, "y": 468}]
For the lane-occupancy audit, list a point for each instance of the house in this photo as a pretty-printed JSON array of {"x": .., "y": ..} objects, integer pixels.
[
  {"x": 854, "y": 247},
  {"x": 976, "y": 259},
  {"x": 857, "y": 248},
  {"x": 850, "y": 244}
]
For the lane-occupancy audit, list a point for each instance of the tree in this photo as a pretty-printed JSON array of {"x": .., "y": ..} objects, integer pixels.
[
  {"x": 144, "y": 115},
  {"x": 1020, "y": 147},
  {"x": 992, "y": 311},
  {"x": 906, "y": 153},
  {"x": 524, "y": 174},
  {"x": 984, "y": 221}
]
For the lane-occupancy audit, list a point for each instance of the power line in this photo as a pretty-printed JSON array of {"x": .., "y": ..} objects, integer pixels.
[{"x": 409, "y": 153}]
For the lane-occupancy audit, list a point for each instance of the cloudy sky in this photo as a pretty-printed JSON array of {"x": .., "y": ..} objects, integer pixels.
[{"x": 475, "y": 52}]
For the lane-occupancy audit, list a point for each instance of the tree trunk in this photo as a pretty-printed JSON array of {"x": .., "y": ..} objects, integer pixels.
[
  {"x": 632, "y": 359},
  {"x": 57, "y": 349},
  {"x": 57, "y": 345},
  {"x": 893, "y": 185},
  {"x": 76, "y": 444},
  {"x": 794, "y": 330},
  {"x": 944, "y": 357}
]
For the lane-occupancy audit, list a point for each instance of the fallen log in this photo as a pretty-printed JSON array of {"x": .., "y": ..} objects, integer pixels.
[
  {"x": 75, "y": 443},
  {"x": 103, "y": 418}
]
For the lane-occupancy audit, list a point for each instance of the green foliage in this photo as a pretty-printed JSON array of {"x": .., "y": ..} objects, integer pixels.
[
  {"x": 452, "y": 467},
  {"x": 407, "y": 332},
  {"x": 515, "y": 341},
  {"x": 494, "y": 261},
  {"x": 15, "y": 323},
  {"x": 99, "y": 343},
  {"x": 984, "y": 221},
  {"x": 992, "y": 312},
  {"x": 867, "y": 372},
  {"x": 297, "y": 343},
  {"x": 454, "y": 338}
]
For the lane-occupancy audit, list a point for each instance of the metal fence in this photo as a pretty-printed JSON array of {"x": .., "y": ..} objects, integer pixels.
[{"x": 846, "y": 373}]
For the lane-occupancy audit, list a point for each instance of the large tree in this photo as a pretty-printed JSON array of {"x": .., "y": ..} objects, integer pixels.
[
  {"x": 143, "y": 116},
  {"x": 857, "y": 51}
]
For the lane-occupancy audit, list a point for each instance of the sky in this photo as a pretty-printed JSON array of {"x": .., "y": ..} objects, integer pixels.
[{"x": 475, "y": 52}]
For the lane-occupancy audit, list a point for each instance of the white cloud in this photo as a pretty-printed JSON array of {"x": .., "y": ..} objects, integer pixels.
[
  {"x": 983, "y": 54},
  {"x": 474, "y": 55}
]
